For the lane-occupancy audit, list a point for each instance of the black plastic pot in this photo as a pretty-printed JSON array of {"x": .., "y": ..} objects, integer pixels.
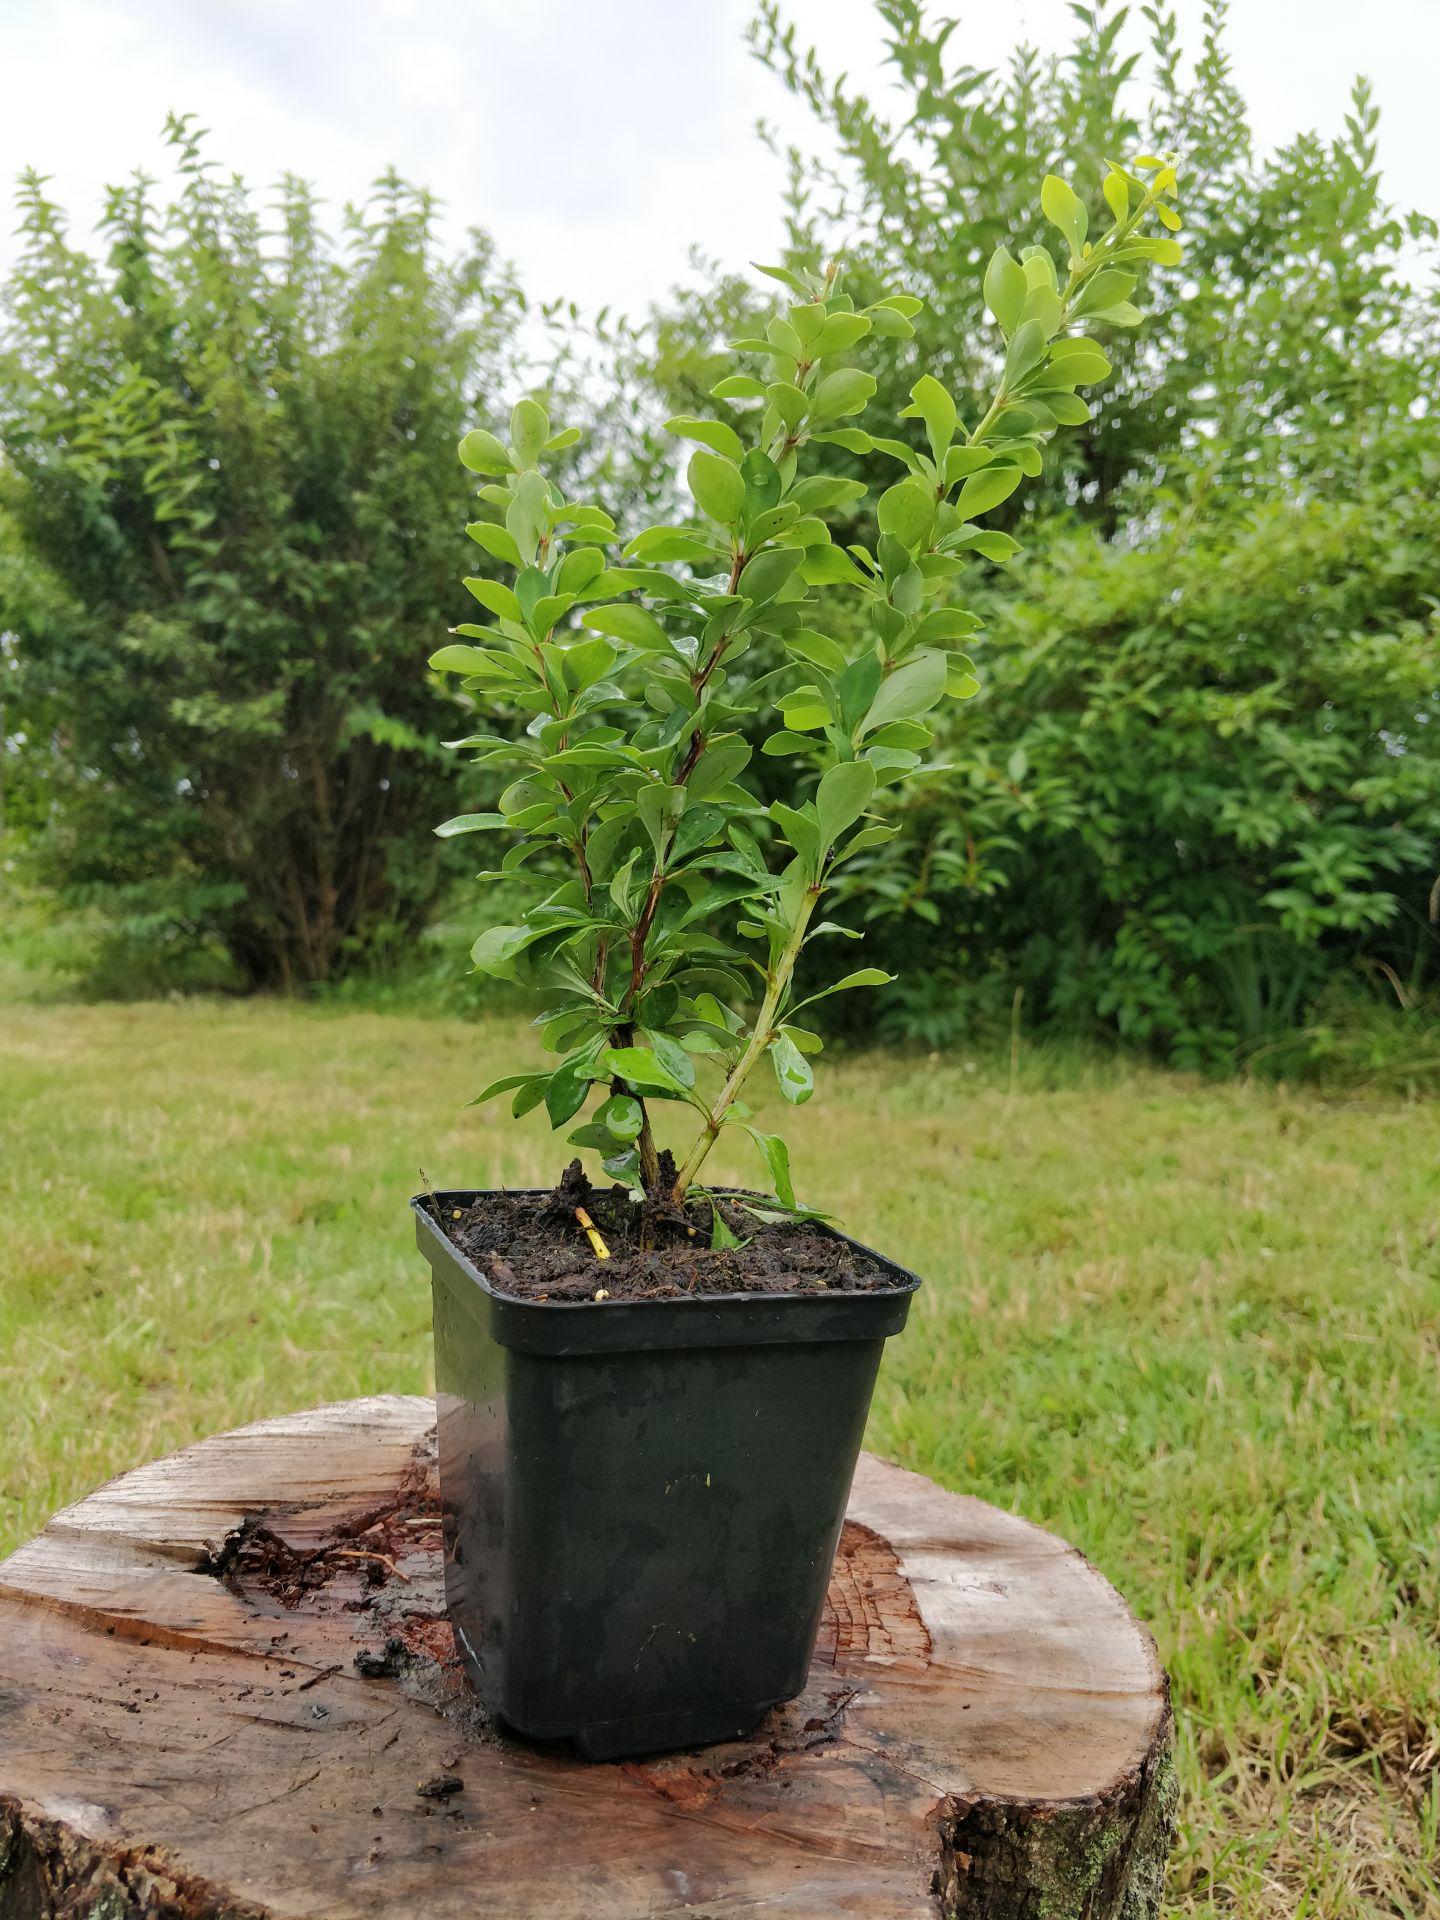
[{"x": 642, "y": 1499}]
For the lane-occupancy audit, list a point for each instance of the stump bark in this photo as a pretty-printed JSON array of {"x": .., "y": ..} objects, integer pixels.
[{"x": 228, "y": 1691}]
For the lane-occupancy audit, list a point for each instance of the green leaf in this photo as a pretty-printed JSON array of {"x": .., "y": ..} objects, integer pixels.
[
  {"x": 777, "y": 1160},
  {"x": 765, "y": 576},
  {"x": 783, "y": 336},
  {"x": 697, "y": 825},
  {"x": 738, "y": 386},
  {"x": 497, "y": 598},
  {"x": 830, "y": 567},
  {"x": 1042, "y": 305},
  {"x": 1104, "y": 289},
  {"x": 843, "y": 795},
  {"x": 857, "y": 687},
  {"x": 762, "y": 481},
  {"x": 1068, "y": 409},
  {"x": 961, "y": 680},
  {"x": 510, "y": 1081},
  {"x": 671, "y": 543},
  {"x": 498, "y": 947},
  {"x": 717, "y": 767},
  {"x": 782, "y": 745},
  {"x": 470, "y": 823},
  {"x": 799, "y": 828},
  {"x": 792, "y": 1069},
  {"x": 789, "y": 402},
  {"x": 720, "y": 1235},
  {"x": 457, "y": 659},
  {"x": 821, "y": 490},
  {"x": 960, "y": 461},
  {"x": 586, "y": 662},
  {"x": 906, "y": 511},
  {"x": 658, "y": 808},
  {"x": 717, "y": 486},
  {"x": 816, "y": 648},
  {"x": 580, "y": 568},
  {"x": 544, "y": 614},
  {"x": 862, "y": 977},
  {"x": 998, "y": 547},
  {"x": 1026, "y": 350},
  {"x": 784, "y": 275},
  {"x": 913, "y": 688},
  {"x": 481, "y": 452},
  {"x": 1063, "y": 208},
  {"x": 1005, "y": 288},
  {"x": 567, "y": 1091},
  {"x": 1078, "y": 362},
  {"x": 623, "y": 1116},
  {"x": 529, "y": 430},
  {"x": 629, "y": 623},
  {"x": 1124, "y": 313},
  {"x": 945, "y": 623},
  {"x": 710, "y": 433},
  {"x": 982, "y": 491},
  {"x": 840, "y": 332},
  {"x": 932, "y": 404},
  {"x": 671, "y": 1055},
  {"x": 495, "y": 540},
  {"x": 853, "y": 439},
  {"x": 641, "y": 1067},
  {"x": 843, "y": 392}
]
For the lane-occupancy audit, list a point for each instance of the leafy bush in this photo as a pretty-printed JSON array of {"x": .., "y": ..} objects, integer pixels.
[
  {"x": 653, "y": 866},
  {"x": 1204, "y": 780},
  {"x": 228, "y": 484}
]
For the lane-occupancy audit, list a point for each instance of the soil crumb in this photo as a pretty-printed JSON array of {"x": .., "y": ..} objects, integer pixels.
[{"x": 533, "y": 1247}]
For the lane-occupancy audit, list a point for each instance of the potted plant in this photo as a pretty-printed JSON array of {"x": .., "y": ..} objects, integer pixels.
[{"x": 652, "y": 1397}]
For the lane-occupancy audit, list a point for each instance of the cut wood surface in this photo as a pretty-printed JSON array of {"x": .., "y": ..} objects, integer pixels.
[{"x": 228, "y": 1688}]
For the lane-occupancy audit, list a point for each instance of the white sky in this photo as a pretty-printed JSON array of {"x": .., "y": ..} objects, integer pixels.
[{"x": 596, "y": 139}]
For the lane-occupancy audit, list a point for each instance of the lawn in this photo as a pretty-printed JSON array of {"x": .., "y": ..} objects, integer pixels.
[{"x": 1192, "y": 1328}]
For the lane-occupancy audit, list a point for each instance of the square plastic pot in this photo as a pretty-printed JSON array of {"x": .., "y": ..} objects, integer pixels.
[{"x": 642, "y": 1499}]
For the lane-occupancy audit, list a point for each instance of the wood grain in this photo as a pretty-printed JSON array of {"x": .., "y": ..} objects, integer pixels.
[{"x": 228, "y": 1688}]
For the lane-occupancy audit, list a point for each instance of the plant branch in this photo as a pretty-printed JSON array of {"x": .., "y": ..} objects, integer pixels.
[{"x": 761, "y": 1034}]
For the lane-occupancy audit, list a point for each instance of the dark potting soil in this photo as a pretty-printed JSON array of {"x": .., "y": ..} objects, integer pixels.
[{"x": 533, "y": 1247}]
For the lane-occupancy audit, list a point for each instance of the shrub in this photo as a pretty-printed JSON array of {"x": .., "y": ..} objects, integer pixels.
[
  {"x": 671, "y": 907},
  {"x": 228, "y": 471},
  {"x": 1204, "y": 781}
]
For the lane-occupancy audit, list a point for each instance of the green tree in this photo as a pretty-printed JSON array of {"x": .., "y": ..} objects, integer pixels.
[{"x": 229, "y": 476}]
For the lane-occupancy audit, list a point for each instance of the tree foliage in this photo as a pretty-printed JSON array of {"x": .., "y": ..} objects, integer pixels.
[
  {"x": 228, "y": 482},
  {"x": 1205, "y": 779},
  {"x": 1294, "y": 341}
]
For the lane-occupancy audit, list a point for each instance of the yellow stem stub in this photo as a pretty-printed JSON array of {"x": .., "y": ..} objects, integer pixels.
[{"x": 592, "y": 1234}]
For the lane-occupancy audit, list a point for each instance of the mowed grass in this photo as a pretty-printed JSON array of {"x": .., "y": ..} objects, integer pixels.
[{"x": 1192, "y": 1328}]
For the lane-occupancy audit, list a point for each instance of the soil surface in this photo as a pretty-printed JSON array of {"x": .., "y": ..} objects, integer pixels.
[{"x": 534, "y": 1247}]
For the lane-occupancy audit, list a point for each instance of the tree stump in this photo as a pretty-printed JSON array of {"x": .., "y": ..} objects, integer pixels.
[{"x": 228, "y": 1688}]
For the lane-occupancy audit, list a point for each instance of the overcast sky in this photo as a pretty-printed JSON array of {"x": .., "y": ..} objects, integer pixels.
[{"x": 596, "y": 139}]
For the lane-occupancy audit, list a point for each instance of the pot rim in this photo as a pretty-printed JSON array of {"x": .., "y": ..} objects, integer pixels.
[{"x": 422, "y": 1206}]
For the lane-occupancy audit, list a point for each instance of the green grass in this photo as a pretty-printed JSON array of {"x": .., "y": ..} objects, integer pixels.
[{"x": 1192, "y": 1328}]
